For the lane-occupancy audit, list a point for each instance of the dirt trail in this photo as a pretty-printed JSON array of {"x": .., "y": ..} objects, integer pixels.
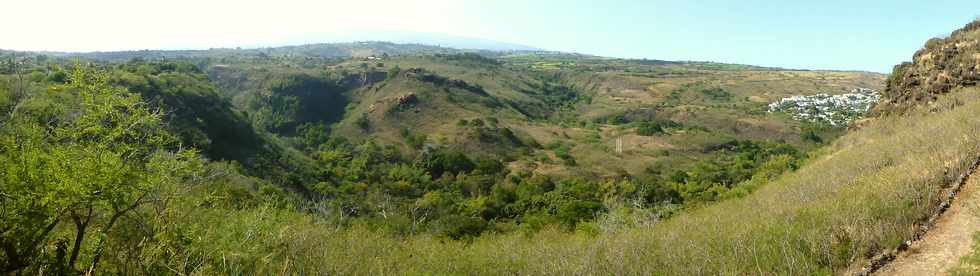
[{"x": 949, "y": 239}]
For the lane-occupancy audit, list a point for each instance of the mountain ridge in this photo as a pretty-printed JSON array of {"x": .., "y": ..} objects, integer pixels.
[{"x": 356, "y": 49}]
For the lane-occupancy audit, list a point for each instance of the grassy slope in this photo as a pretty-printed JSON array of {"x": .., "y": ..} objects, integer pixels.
[
  {"x": 615, "y": 87},
  {"x": 742, "y": 116},
  {"x": 860, "y": 195},
  {"x": 439, "y": 106}
]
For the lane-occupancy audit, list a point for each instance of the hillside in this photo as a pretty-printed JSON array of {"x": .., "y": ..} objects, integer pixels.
[
  {"x": 582, "y": 101},
  {"x": 863, "y": 195},
  {"x": 858, "y": 197},
  {"x": 426, "y": 150}
]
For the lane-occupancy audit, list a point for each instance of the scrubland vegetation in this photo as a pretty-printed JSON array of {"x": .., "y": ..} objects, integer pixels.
[
  {"x": 859, "y": 196},
  {"x": 171, "y": 213},
  {"x": 312, "y": 160}
]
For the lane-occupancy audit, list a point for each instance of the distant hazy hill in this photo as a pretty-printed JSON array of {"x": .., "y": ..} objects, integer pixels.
[
  {"x": 322, "y": 50},
  {"x": 319, "y": 50},
  {"x": 403, "y": 37},
  {"x": 355, "y": 43}
]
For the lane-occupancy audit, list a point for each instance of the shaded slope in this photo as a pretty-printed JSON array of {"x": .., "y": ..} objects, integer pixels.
[
  {"x": 208, "y": 121},
  {"x": 288, "y": 102}
]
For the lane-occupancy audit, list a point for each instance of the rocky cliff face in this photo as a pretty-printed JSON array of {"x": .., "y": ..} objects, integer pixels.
[{"x": 941, "y": 65}]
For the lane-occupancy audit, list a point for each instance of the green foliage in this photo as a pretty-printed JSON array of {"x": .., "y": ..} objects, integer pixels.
[
  {"x": 453, "y": 162},
  {"x": 617, "y": 119},
  {"x": 810, "y": 135},
  {"x": 469, "y": 58},
  {"x": 313, "y": 134},
  {"x": 413, "y": 140},
  {"x": 394, "y": 71},
  {"x": 6, "y": 100},
  {"x": 563, "y": 151},
  {"x": 462, "y": 228},
  {"x": 575, "y": 211},
  {"x": 716, "y": 94},
  {"x": 295, "y": 99},
  {"x": 817, "y": 133},
  {"x": 205, "y": 120},
  {"x": 554, "y": 97},
  {"x": 649, "y": 129},
  {"x": 734, "y": 164},
  {"x": 96, "y": 163},
  {"x": 262, "y": 207},
  {"x": 363, "y": 122},
  {"x": 654, "y": 127}
]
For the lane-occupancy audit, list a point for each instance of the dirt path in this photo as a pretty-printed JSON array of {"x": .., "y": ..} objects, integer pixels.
[{"x": 949, "y": 239}]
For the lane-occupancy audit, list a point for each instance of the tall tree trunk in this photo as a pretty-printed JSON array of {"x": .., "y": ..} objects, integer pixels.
[
  {"x": 13, "y": 262},
  {"x": 105, "y": 231},
  {"x": 80, "y": 225}
]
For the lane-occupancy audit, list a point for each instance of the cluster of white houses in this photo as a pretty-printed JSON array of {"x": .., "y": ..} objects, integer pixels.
[{"x": 837, "y": 110}]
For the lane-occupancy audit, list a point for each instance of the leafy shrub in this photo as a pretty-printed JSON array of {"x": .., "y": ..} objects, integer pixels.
[
  {"x": 415, "y": 141},
  {"x": 458, "y": 227},
  {"x": 363, "y": 122},
  {"x": 716, "y": 94},
  {"x": 734, "y": 163},
  {"x": 654, "y": 127},
  {"x": 572, "y": 212},
  {"x": 444, "y": 161}
]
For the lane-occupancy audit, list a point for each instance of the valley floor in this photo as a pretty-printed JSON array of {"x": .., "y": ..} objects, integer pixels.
[{"x": 947, "y": 242}]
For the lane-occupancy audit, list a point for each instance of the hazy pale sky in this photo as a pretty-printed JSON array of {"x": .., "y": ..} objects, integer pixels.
[{"x": 827, "y": 34}]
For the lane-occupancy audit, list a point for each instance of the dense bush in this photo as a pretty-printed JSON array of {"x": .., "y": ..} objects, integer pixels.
[
  {"x": 716, "y": 94},
  {"x": 654, "y": 127},
  {"x": 69, "y": 183},
  {"x": 295, "y": 99},
  {"x": 444, "y": 161},
  {"x": 733, "y": 164}
]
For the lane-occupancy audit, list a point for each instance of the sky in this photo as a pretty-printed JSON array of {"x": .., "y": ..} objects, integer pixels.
[{"x": 826, "y": 34}]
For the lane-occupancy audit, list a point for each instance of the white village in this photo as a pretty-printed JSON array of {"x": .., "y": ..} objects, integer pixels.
[{"x": 836, "y": 110}]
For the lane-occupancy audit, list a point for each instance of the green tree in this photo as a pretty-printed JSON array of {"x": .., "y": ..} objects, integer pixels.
[{"x": 99, "y": 159}]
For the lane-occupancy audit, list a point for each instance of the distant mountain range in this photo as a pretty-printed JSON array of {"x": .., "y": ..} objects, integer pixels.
[
  {"x": 403, "y": 37},
  {"x": 345, "y": 44}
]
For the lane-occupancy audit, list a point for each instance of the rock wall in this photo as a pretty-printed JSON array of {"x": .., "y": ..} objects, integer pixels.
[{"x": 941, "y": 65}]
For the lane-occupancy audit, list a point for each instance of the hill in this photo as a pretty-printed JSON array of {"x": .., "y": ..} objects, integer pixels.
[
  {"x": 863, "y": 195},
  {"x": 425, "y": 150},
  {"x": 318, "y": 51},
  {"x": 407, "y": 37}
]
